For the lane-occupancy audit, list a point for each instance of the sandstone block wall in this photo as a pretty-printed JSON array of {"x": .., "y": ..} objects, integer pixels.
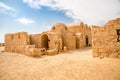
[
  {"x": 59, "y": 29},
  {"x": 104, "y": 40},
  {"x": 48, "y": 40},
  {"x": 81, "y": 31},
  {"x": 35, "y": 40},
  {"x": 69, "y": 41},
  {"x": 16, "y": 42},
  {"x": 30, "y": 50},
  {"x": 80, "y": 41},
  {"x": 61, "y": 37}
]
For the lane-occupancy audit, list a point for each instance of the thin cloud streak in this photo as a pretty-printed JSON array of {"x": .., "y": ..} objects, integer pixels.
[
  {"x": 5, "y": 9},
  {"x": 25, "y": 21}
]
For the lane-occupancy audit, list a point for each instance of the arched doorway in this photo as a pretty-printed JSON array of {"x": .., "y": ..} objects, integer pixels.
[
  {"x": 44, "y": 41},
  {"x": 86, "y": 40}
]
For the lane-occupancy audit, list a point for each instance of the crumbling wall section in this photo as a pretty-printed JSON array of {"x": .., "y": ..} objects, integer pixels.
[
  {"x": 105, "y": 40},
  {"x": 16, "y": 42}
]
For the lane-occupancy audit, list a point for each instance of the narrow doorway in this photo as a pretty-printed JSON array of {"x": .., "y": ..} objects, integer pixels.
[
  {"x": 45, "y": 41},
  {"x": 87, "y": 40}
]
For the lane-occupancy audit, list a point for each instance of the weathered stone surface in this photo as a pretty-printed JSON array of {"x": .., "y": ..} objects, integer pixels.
[
  {"x": 73, "y": 36},
  {"x": 16, "y": 42},
  {"x": 51, "y": 52},
  {"x": 105, "y": 42}
]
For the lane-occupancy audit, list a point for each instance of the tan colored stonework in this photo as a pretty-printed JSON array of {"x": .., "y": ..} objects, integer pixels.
[
  {"x": 61, "y": 37},
  {"x": 104, "y": 40},
  {"x": 16, "y": 42}
]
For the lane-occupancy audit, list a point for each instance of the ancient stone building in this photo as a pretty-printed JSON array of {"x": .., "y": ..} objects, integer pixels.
[
  {"x": 106, "y": 39},
  {"x": 59, "y": 38}
]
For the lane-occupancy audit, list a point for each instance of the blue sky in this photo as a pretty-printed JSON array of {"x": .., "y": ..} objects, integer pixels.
[{"x": 35, "y": 16}]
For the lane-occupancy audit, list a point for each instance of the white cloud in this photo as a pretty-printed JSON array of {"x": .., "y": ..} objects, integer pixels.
[
  {"x": 25, "y": 21},
  {"x": 5, "y": 9},
  {"x": 88, "y": 11}
]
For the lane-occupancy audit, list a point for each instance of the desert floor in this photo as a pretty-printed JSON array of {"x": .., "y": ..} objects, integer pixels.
[{"x": 72, "y": 65}]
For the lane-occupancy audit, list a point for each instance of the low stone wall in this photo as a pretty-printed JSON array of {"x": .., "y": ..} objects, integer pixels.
[
  {"x": 30, "y": 50},
  {"x": 51, "y": 52}
]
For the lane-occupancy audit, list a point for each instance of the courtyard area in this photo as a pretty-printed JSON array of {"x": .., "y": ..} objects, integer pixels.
[{"x": 71, "y": 65}]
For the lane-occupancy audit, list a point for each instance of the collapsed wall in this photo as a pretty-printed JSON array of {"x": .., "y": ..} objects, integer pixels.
[{"x": 106, "y": 39}]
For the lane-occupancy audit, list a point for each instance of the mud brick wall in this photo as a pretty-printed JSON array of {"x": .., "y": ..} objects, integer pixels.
[
  {"x": 105, "y": 43},
  {"x": 16, "y": 42}
]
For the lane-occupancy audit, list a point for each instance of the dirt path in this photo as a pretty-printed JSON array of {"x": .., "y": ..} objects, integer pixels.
[{"x": 73, "y": 65}]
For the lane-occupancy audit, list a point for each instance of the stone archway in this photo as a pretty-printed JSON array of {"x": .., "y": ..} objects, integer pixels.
[{"x": 44, "y": 41}]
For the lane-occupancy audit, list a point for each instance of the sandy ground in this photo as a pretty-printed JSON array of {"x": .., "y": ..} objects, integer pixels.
[{"x": 72, "y": 65}]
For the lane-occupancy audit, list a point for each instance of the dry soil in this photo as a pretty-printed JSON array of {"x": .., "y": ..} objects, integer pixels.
[{"x": 72, "y": 65}]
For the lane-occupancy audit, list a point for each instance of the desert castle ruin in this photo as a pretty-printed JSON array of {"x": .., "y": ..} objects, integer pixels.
[
  {"x": 61, "y": 37},
  {"x": 105, "y": 40}
]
